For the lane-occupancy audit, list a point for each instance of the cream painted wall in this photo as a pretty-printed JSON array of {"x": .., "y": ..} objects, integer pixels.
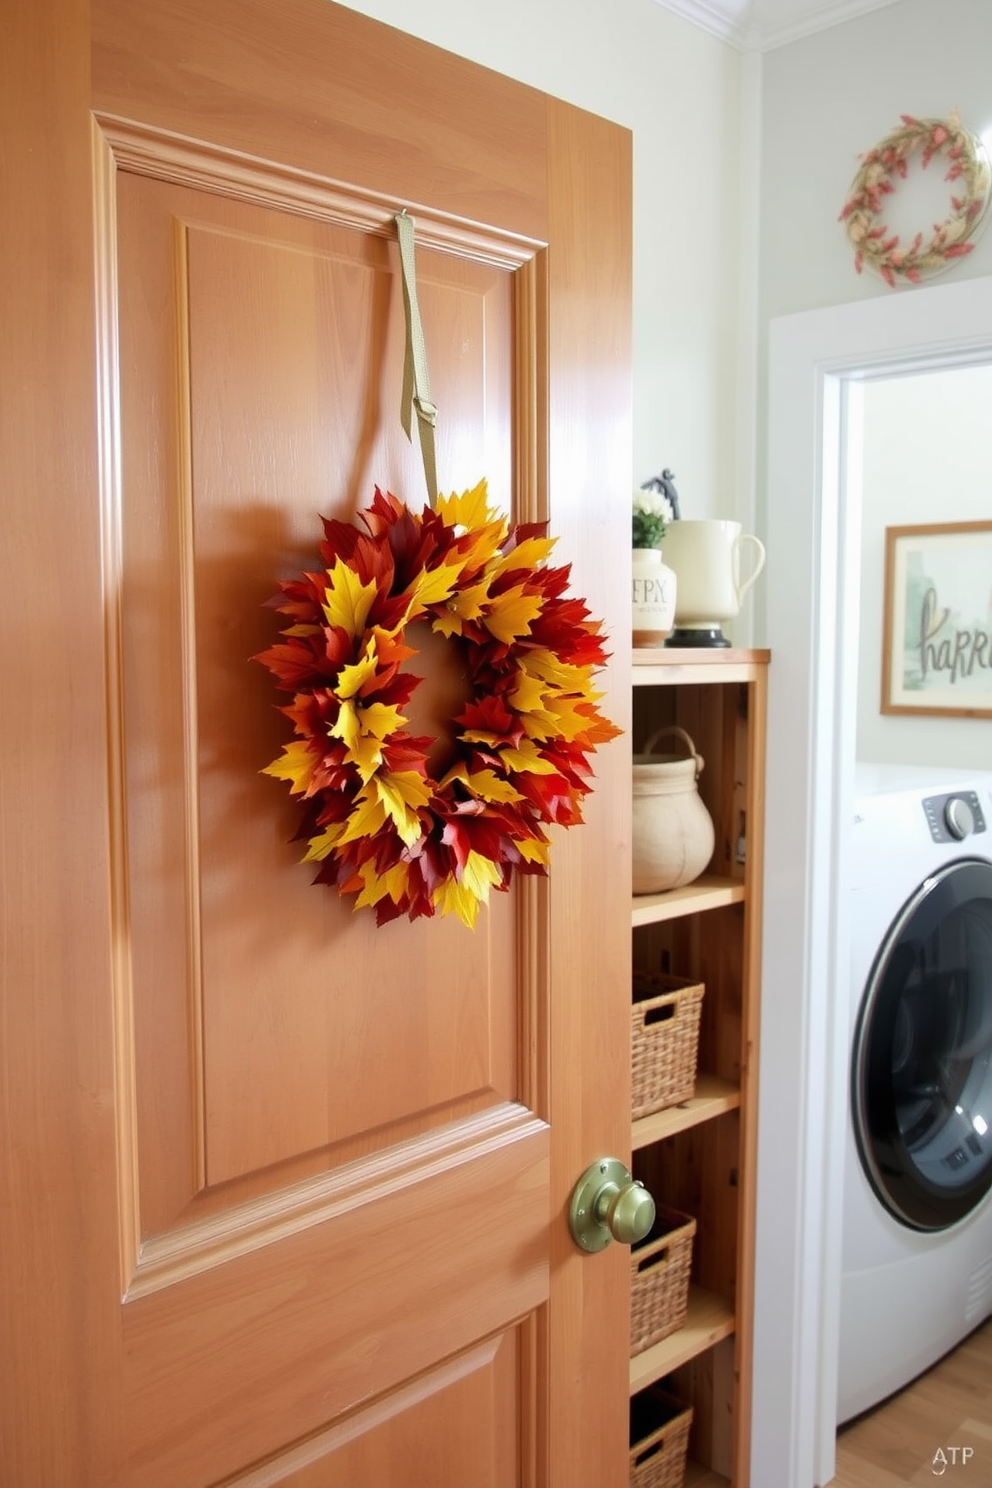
[
  {"x": 829, "y": 98},
  {"x": 825, "y": 100},
  {"x": 690, "y": 101},
  {"x": 927, "y": 457}
]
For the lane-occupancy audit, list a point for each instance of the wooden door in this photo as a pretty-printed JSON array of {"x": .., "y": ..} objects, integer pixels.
[{"x": 284, "y": 1194}]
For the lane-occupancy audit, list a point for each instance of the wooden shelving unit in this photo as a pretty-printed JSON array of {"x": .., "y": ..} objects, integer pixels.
[
  {"x": 699, "y": 1157},
  {"x": 709, "y": 1320}
]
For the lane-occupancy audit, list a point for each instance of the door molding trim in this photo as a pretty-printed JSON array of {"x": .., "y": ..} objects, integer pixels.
[
  {"x": 182, "y": 161},
  {"x": 192, "y": 1248},
  {"x": 818, "y": 361}
]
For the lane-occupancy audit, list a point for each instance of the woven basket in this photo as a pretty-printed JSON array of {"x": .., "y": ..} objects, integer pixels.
[
  {"x": 664, "y": 1043},
  {"x": 659, "y": 1279},
  {"x": 659, "y": 1439}
]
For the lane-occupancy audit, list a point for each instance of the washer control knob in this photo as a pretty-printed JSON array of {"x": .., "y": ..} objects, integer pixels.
[{"x": 959, "y": 817}]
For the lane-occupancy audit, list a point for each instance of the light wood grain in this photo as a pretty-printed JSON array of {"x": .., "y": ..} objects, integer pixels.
[
  {"x": 712, "y": 1097},
  {"x": 334, "y": 1161},
  {"x": 589, "y": 272},
  {"x": 708, "y": 1320},
  {"x": 700, "y": 1157},
  {"x": 949, "y": 1407},
  {"x": 709, "y": 891},
  {"x": 60, "y": 1405}
]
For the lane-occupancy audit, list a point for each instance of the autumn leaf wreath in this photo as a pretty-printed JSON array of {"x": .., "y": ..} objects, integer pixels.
[{"x": 374, "y": 819}]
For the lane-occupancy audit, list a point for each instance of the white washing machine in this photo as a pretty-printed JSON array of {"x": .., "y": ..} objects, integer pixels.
[{"x": 917, "y": 1250}]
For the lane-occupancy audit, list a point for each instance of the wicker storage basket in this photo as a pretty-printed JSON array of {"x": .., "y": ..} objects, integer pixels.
[
  {"x": 659, "y": 1439},
  {"x": 664, "y": 1045},
  {"x": 659, "y": 1279}
]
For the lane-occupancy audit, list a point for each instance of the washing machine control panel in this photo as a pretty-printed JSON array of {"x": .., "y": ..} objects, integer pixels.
[{"x": 954, "y": 816}]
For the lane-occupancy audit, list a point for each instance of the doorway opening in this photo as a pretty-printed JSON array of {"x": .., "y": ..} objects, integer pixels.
[{"x": 823, "y": 366}]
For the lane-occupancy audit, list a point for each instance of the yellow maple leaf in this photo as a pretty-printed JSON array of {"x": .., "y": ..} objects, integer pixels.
[
  {"x": 480, "y": 874},
  {"x": 353, "y": 677},
  {"x": 527, "y": 554},
  {"x": 481, "y": 736},
  {"x": 433, "y": 585},
  {"x": 488, "y": 786},
  {"x": 320, "y": 846},
  {"x": 296, "y": 764},
  {"x": 454, "y": 898},
  {"x": 366, "y": 754},
  {"x": 526, "y": 759},
  {"x": 348, "y": 600},
  {"x": 535, "y": 850},
  {"x": 511, "y": 614},
  {"x": 528, "y": 693},
  {"x": 392, "y": 883},
  {"x": 367, "y": 818},
  {"x": 467, "y": 604},
  {"x": 447, "y": 624},
  {"x": 564, "y": 718},
  {"x": 464, "y": 895},
  {"x": 381, "y": 719},
  {"x": 346, "y": 726},
  {"x": 470, "y": 509},
  {"x": 485, "y": 784},
  {"x": 400, "y": 794},
  {"x": 560, "y": 674}
]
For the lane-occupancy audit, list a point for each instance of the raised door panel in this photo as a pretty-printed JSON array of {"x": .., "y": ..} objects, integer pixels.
[
  {"x": 336, "y": 1160},
  {"x": 261, "y": 357},
  {"x": 453, "y": 1426}
]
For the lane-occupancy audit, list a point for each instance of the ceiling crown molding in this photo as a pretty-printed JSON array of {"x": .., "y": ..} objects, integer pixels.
[{"x": 761, "y": 25}]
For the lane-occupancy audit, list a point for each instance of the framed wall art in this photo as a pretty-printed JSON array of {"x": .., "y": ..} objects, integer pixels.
[{"x": 937, "y": 625}]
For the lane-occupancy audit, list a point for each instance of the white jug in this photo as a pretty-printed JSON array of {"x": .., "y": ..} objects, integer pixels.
[{"x": 706, "y": 557}]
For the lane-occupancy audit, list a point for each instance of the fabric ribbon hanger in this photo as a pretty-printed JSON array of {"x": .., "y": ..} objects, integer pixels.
[{"x": 416, "y": 395}]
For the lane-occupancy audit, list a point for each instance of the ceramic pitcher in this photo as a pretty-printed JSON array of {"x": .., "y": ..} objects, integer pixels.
[{"x": 706, "y": 556}]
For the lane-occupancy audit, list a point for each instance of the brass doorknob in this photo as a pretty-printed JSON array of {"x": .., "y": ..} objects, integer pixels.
[{"x": 607, "y": 1204}]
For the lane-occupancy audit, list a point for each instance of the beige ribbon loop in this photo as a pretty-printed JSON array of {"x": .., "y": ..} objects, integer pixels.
[{"x": 416, "y": 388}]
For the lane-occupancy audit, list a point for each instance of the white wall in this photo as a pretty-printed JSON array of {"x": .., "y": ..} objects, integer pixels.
[
  {"x": 828, "y": 99},
  {"x": 682, "y": 93},
  {"x": 927, "y": 457}
]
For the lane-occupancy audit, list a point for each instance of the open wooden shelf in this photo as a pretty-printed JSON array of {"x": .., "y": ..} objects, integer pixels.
[
  {"x": 703, "y": 1477},
  {"x": 709, "y": 1319},
  {"x": 712, "y": 1098},
  {"x": 700, "y": 1156},
  {"x": 708, "y": 892},
  {"x": 654, "y": 665}
]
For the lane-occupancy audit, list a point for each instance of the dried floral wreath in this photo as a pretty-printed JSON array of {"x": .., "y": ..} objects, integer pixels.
[
  {"x": 373, "y": 817},
  {"x": 867, "y": 232}
]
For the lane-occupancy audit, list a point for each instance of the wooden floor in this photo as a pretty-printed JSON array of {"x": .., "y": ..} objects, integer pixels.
[{"x": 938, "y": 1427}]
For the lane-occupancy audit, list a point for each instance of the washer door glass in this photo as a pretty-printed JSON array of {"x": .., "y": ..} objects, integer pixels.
[{"x": 922, "y": 1066}]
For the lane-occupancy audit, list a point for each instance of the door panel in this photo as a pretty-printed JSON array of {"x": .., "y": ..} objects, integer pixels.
[
  {"x": 457, "y": 1425},
  {"x": 255, "y": 1029},
  {"x": 337, "y": 1158},
  {"x": 367, "y": 1292}
]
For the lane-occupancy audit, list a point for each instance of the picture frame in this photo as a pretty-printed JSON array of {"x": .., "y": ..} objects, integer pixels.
[{"x": 937, "y": 620}]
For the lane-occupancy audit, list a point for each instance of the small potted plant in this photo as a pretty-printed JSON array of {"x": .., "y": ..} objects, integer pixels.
[
  {"x": 651, "y": 516},
  {"x": 652, "y": 582}
]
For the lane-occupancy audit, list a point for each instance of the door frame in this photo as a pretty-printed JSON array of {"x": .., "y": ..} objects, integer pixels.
[{"x": 818, "y": 360}]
